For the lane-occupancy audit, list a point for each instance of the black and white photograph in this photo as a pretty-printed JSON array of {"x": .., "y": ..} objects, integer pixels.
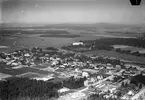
[{"x": 72, "y": 49}]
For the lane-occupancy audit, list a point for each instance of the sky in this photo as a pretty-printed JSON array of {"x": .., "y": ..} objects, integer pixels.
[
  {"x": 71, "y": 11},
  {"x": 0, "y": 10}
]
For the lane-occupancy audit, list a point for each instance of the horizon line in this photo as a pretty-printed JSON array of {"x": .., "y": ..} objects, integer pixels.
[{"x": 72, "y": 23}]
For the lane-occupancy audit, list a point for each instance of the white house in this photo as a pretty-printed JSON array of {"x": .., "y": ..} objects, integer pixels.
[
  {"x": 85, "y": 74},
  {"x": 130, "y": 93},
  {"x": 77, "y": 43},
  {"x": 27, "y": 55}
]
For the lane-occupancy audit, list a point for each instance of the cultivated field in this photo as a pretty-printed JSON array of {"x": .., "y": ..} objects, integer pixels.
[
  {"x": 2, "y": 76},
  {"x": 117, "y": 55},
  {"x": 22, "y": 71},
  {"x": 62, "y": 35},
  {"x": 133, "y": 49}
]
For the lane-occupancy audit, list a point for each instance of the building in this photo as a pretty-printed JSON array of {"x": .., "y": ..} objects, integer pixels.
[
  {"x": 139, "y": 95},
  {"x": 77, "y": 43},
  {"x": 85, "y": 74}
]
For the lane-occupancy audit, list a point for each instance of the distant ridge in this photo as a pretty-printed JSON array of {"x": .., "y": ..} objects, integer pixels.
[{"x": 97, "y": 25}]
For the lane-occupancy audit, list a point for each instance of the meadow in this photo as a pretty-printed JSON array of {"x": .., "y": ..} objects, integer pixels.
[
  {"x": 19, "y": 71},
  {"x": 131, "y": 48},
  {"x": 58, "y": 36},
  {"x": 117, "y": 55}
]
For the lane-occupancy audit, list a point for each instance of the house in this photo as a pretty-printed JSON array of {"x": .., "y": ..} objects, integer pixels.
[
  {"x": 14, "y": 64},
  {"x": 77, "y": 43},
  {"x": 62, "y": 66},
  {"x": 27, "y": 55},
  {"x": 130, "y": 93},
  {"x": 112, "y": 90},
  {"x": 85, "y": 74}
]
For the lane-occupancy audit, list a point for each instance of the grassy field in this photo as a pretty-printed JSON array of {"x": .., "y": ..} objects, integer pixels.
[
  {"x": 42, "y": 66},
  {"x": 64, "y": 37},
  {"x": 60, "y": 36},
  {"x": 124, "y": 47},
  {"x": 2, "y": 75},
  {"x": 30, "y": 75},
  {"x": 116, "y": 55},
  {"x": 22, "y": 70}
]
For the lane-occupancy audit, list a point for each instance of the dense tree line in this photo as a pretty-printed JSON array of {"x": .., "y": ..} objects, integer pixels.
[
  {"x": 135, "y": 82},
  {"x": 27, "y": 89},
  {"x": 106, "y": 44},
  {"x": 78, "y": 48},
  {"x": 15, "y": 88},
  {"x": 7, "y": 33},
  {"x": 138, "y": 79},
  {"x": 83, "y": 58},
  {"x": 51, "y": 48},
  {"x": 57, "y": 32},
  {"x": 90, "y": 47},
  {"x": 73, "y": 83},
  {"x": 136, "y": 53},
  {"x": 107, "y": 60},
  {"x": 137, "y": 42},
  {"x": 102, "y": 46},
  {"x": 65, "y": 55}
]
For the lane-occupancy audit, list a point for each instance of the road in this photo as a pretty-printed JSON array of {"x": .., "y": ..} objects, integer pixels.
[
  {"x": 99, "y": 81},
  {"x": 86, "y": 89},
  {"x": 140, "y": 93}
]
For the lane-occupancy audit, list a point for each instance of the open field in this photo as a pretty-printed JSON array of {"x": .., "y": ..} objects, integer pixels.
[
  {"x": 42, "y": 66},
  {"x": 30, "y": 75},
  {"x": 3, "y": 47},
  {"x": 117, "y": 55},
  {"x": 133, "y": 49},
  {"x": 114, "y": 36},
  {"x": 22, "y": 70},
  {"x": 33, "y": 40},
  {"x": 60, "y": 36},
  {"x": 90, "y": 70},
  {"x": 2, "y": 76}
]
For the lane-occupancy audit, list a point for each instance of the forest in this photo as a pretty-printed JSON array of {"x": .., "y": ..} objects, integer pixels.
[
  {"x": 16, "y": 88},
  {"x": 73, "y": 83},
  {"x": 27, "y": 89},
  {"x": 137, "y": 42},
  {"x": 107, "y": 44}
]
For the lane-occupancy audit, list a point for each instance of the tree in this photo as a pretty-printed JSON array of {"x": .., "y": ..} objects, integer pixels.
[
  {"x": 118, "y": 50},
  {"x": 15, "y": 88}
]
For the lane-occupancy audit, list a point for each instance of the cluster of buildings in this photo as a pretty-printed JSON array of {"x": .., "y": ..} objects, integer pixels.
[
  {"x": 103, "y": 79},
  {"x": 107, "y": 79}
]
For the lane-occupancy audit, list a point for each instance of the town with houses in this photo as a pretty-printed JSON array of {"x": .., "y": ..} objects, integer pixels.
[{"x": 108, "y": 77}]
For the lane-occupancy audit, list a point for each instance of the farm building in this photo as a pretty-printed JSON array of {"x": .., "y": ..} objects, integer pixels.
[{"x": 77, "y": 43}]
